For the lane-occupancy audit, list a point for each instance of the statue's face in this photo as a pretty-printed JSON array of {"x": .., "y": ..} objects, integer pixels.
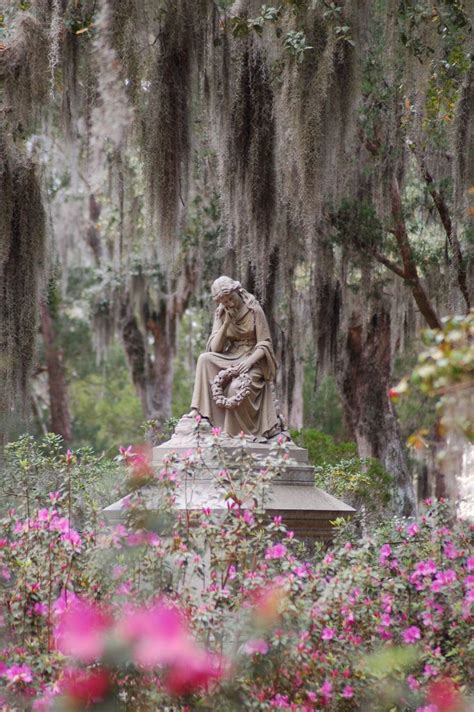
[{"x": 229, "y": 301}]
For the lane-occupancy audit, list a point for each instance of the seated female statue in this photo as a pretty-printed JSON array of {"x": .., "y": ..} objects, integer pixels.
[{"x": 240, "y": 399}]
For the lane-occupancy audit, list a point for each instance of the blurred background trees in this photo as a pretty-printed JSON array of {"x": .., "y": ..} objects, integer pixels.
[{"x": 320, "y": 152}]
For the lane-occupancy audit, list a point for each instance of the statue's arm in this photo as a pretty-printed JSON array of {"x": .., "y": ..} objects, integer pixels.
[{"x": 218, "y": 336}]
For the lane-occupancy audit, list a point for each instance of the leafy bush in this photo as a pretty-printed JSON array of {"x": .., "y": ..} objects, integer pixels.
[
  {"x": 223, "y": 610},
  {"x": 322, "y": 449}
]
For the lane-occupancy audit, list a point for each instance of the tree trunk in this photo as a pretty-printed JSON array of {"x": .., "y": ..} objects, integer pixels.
[
  {"x": 295, "y": 415},
  {"x": 364, "y": 378},
  {"x": 57, "y": 386}
]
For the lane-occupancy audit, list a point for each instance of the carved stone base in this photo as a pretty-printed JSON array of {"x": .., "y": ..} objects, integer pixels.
[{"x": 304, "y": 508}]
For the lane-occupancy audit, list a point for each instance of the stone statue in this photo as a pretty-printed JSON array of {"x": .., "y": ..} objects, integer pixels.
[{"x": 233, "y": 385}]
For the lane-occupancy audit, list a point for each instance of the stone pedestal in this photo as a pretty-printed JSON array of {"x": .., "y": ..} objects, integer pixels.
[{"x": 304, "y": 508}]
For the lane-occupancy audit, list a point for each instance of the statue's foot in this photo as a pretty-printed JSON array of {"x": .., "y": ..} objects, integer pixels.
[{"x": 192, "y": 413}]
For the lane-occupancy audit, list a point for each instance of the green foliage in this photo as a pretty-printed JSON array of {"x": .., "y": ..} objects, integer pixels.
[
  {"x": 294, "y": 41},
  {"x": 360, "y": 482},
  {"x": 105, "y": 408},
  {"x": 322, "y": 449},
  {"x": 445, "y": 372},
  {"x": 369, "y": 625},
  {"x": 322, "y": 404},
  {"x": 35, "y": 467}
]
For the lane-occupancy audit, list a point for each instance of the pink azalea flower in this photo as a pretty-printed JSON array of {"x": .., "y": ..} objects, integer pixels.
[
  {"x": 429, "y": 670},
  {"x": 413, "y": 529},
  {"x": 470, "y": 563},
  {"x": 158, "y": 634},
  {"x": 72, "y": 537},
  {"x": 86, "y": 687},
  {"x": 450, "y": 550},
  {"x": 216, "y": 432},
  {"x": 386, "y": 619},
  {"x": 256, "y": 646},
  {"x": 385, "y": 551},
  {"x": 443, "y": 578},
  {"x": 348, "y": 692},
  {"x": 190, "y": 673},
  {"x": 19, "y": 673},
  {"x": 469, "y": 581},
  {"x": 277, "y": 551},
  {"x": 413, "y": 683},
  {"x": 326, "y": 689},
  {"x": 248, "y": 518},
  {"x": 80, "y": 630},
  {"x": 411, "y": 634},
  {"x": 41, "y": 609},
  {"x": 44, "y": 515},
  {"x": 424, "y": 568},
  {"x": 328, "y": 633}
]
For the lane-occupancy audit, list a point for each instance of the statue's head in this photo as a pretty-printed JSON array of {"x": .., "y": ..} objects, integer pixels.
[{"x": 223, "y": 286}]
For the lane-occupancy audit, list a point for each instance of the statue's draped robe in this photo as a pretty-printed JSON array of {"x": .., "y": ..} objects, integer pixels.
[{"x": 256, "y": 415}]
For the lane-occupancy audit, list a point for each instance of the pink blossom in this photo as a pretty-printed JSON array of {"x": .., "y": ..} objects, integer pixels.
[
  {"x": 386, "y": 619},
  {"x": 470, "y": 563},
  {"x": 157, "y": 633},
  {"x": 450, "y": 550},
  {"x": 424, "y": 568},
  {"x": 428, "y": 708},
  {"x": 277, "y": 551},
  {"x": 54, "y": 497},
  {"x": 413, "y": 683},
  {"x": 72, "y": 537},
  {"x": 277, "y": 520},
  {"x": 80, "y": 630},
  {"x": 328, "y": 633},
  {"x": 427, "y": 619},
  {"x": 411, "y": 634},
  {"x": 326, "y": 689},
  {"x": 198, "y": 418},
  {"x": 216, "y": 432},
  {"x": 443, "y": 578},
  {"x": 429, "y": 670},
  {"x": 248, "y": 518},
  {"x": 469, "y": 581},
  {"x": 19, "y": 673},
  {"x": 193, "y": 671},
  {"x": 41, "y": 609},
  {"x": 86, "y": 687},
  {"x": 301, "y": 570},
  {"x": 412, "y": 529},
  {"x": 385, "y": 551},
  {"x": 44, "y": 515},
  {"x": 256, "y": 646},
  {"x": 348, "y": 692}
]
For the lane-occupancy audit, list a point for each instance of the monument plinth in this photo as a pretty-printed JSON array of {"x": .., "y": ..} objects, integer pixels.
[{"x": 304, "y": 508}]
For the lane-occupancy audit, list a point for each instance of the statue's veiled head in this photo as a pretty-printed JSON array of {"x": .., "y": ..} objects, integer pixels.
[{"x": 224, "y": 286}]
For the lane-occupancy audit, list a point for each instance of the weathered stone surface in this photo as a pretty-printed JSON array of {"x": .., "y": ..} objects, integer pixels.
[{"x": 304, "y": 508}]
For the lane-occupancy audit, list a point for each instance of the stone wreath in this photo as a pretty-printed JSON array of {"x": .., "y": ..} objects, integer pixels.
[{"x": 222, "y": 380}]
